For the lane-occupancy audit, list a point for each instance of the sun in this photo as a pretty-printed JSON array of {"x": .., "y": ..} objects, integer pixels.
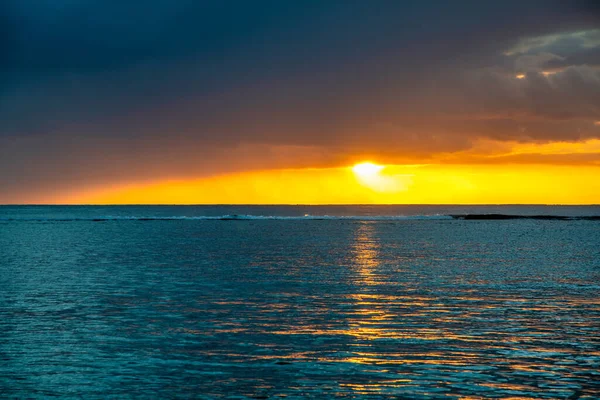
[
  {"x": 367, "y": 169},
  {"x": 372, "y": 176}
]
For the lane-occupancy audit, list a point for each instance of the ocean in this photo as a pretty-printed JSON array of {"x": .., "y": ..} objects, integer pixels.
[{"x": 300, "y": 302}]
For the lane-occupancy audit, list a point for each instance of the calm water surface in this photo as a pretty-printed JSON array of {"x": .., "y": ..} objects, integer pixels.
[{"x": 134, "y": 306}]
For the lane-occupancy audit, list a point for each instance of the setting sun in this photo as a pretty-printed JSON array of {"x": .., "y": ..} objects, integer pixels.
[
  {"x": 371, "y": 176},
  {"x": 367, "y": 169}
]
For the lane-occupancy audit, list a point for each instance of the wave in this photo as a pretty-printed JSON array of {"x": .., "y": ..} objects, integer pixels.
[{"x": 235, "y": 217}]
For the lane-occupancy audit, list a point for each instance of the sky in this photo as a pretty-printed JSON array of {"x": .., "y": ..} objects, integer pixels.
[{"x": 194, "y": 101}]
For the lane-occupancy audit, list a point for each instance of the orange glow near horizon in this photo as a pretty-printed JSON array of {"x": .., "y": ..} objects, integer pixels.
[{"x": 369, "y": 183}]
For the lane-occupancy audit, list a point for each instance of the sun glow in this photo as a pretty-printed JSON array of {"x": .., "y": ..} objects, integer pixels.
[
  {"x": 367, "y": 169},
  {"x": 366, "y": 183},
  {"x": 372, "y": 176}
]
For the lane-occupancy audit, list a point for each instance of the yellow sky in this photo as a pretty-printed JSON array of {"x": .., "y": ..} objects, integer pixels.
[
  {"x": 390, "y": 184},
  {"x": 492, "y": 173}
]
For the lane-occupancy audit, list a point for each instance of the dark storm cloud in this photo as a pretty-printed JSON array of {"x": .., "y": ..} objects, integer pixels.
[{"x": 167, "y": 83}]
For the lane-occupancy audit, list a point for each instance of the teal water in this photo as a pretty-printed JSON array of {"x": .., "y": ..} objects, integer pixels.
[{"x": 270, "y": 302}]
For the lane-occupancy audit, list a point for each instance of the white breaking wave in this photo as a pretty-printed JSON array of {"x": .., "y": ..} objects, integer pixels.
[{"x": 236, "y": 217}]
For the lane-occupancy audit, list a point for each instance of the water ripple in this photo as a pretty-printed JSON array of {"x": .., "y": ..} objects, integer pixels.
[{"x": 422, "y": 309}]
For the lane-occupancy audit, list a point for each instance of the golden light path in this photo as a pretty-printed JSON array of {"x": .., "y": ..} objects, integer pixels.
[{"x": 367, "y": 183}]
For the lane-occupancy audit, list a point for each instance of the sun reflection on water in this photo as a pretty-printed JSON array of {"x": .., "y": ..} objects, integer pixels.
[{"x": 365, "y": 250}]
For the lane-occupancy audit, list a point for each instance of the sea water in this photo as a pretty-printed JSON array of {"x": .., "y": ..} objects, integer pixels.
[{"x": 297, "y": 301}]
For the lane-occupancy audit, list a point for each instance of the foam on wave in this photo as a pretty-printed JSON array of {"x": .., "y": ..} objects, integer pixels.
[{"x": 235, "y": 217}]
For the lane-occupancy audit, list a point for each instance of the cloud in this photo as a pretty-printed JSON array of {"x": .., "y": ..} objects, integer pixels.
[
  {"x": 535, "y": 62},
  {"x": 563, "y": 43},
  {"x": 556, "y": 51},
  {"x": 570, "y": 94},
  {"x": 92, "y": 91}
]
